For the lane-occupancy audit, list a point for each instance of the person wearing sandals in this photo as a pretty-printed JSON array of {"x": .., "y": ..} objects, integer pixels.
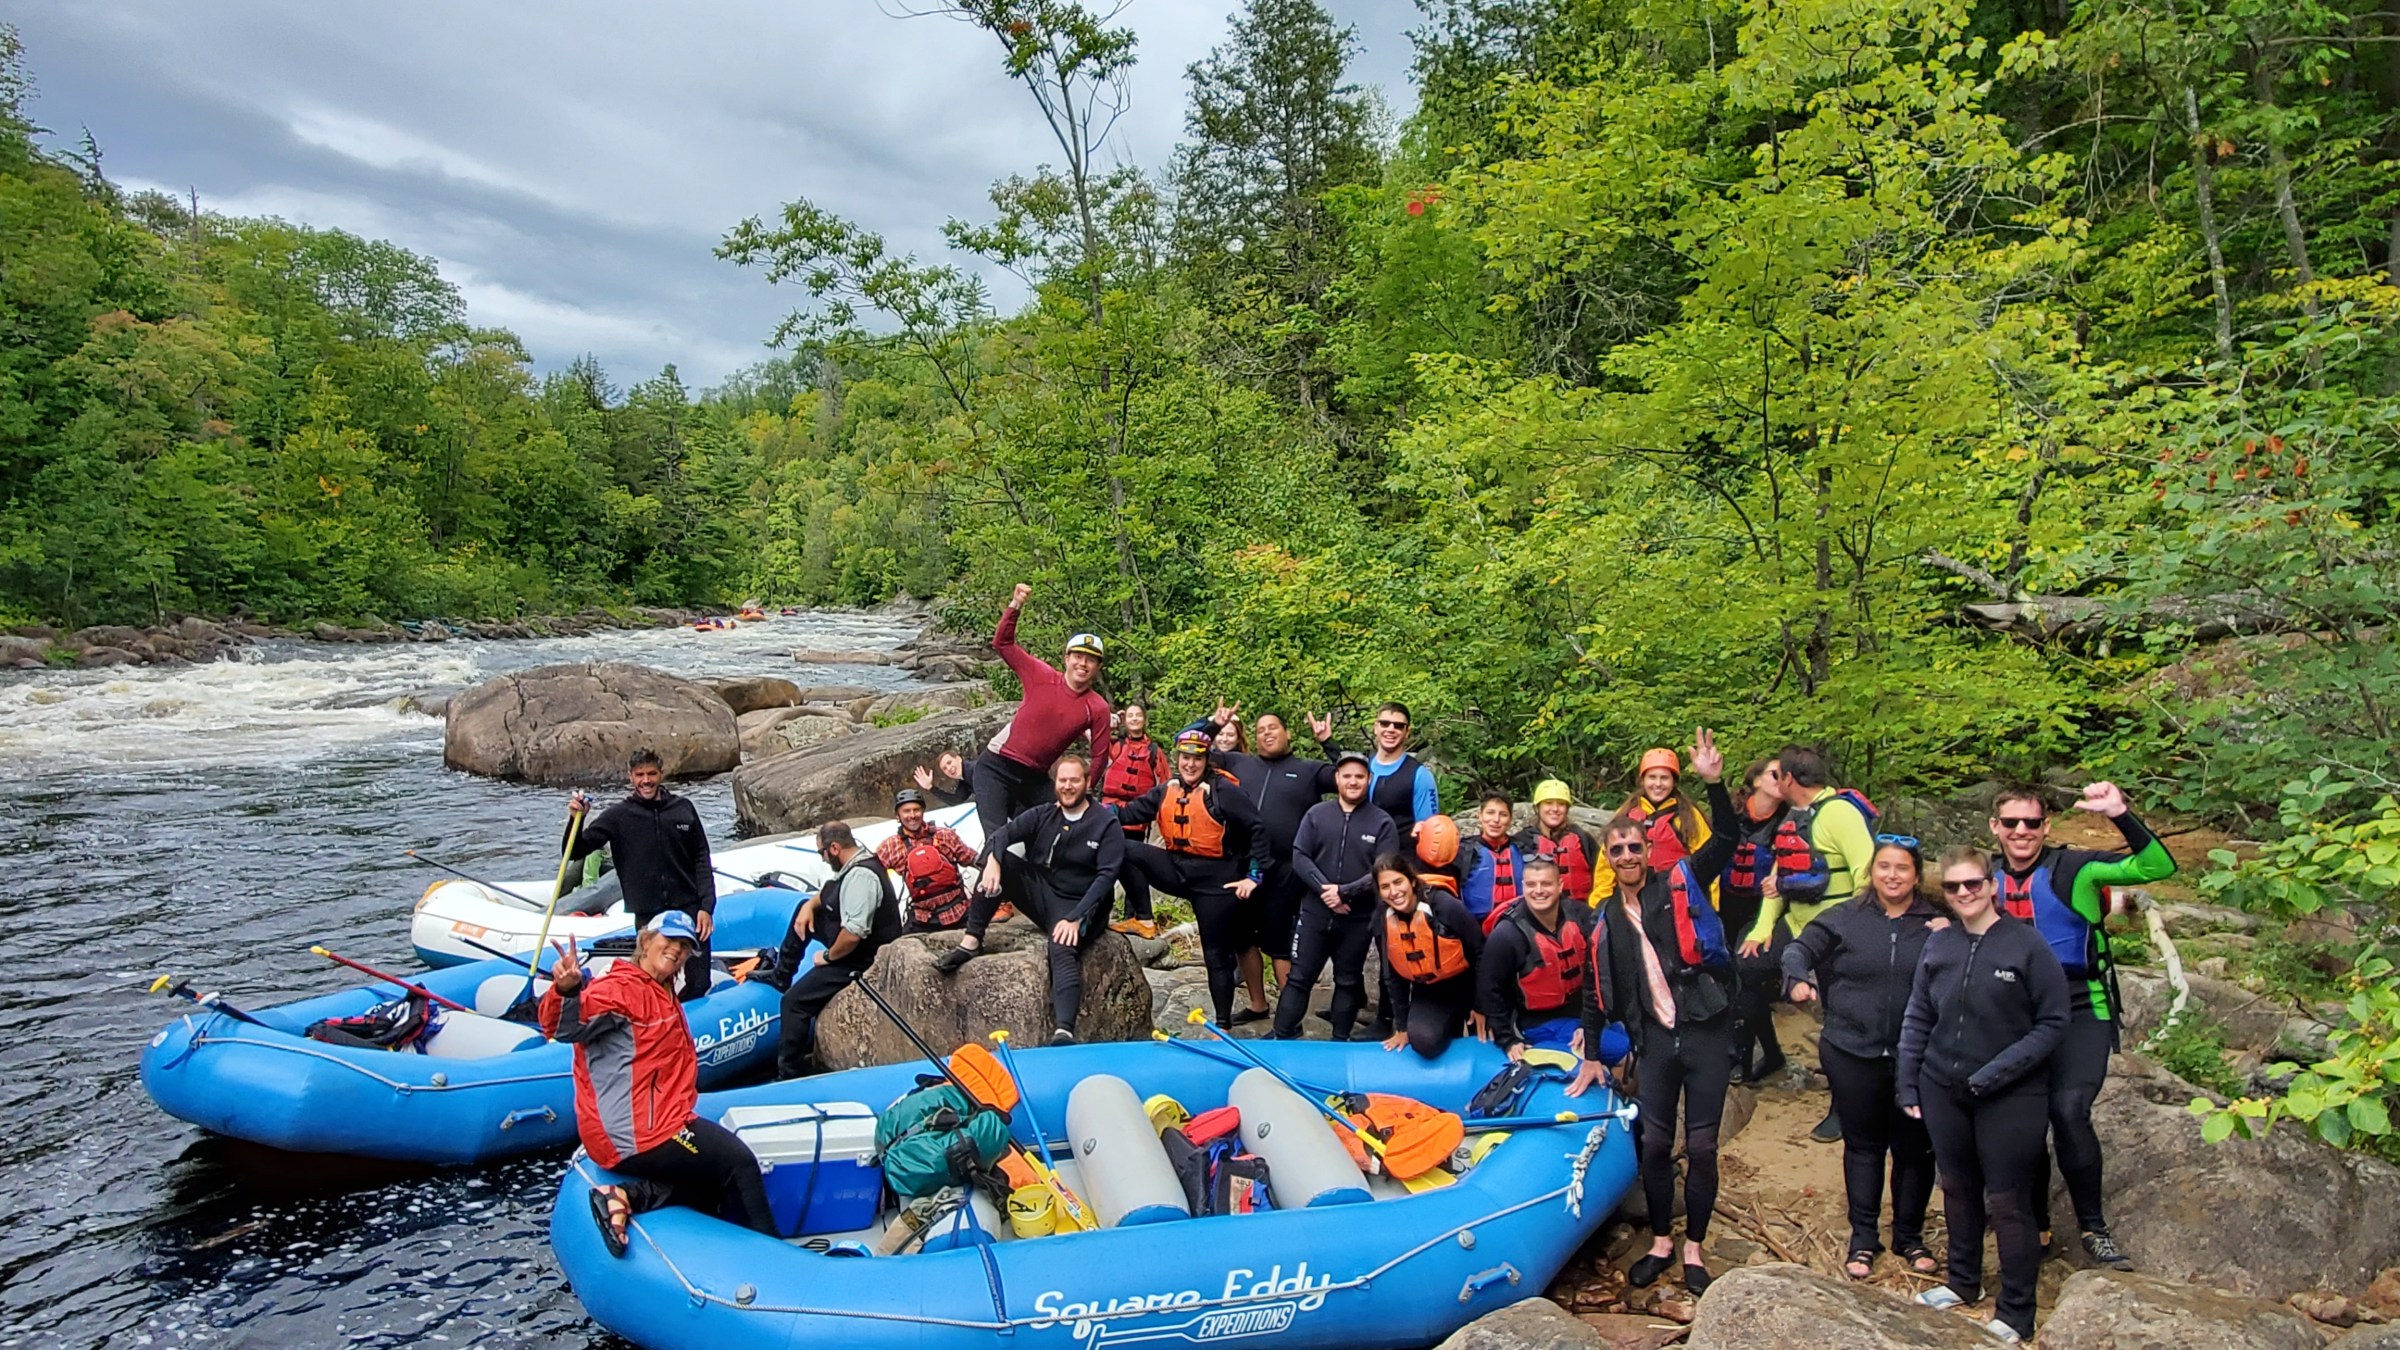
[
  {"x": 1986, "y": 1011},
  {"x": 637, "y": 1082},
  {"x": 1859, "y": 961},
  {"x": 1662, "y": 971}
]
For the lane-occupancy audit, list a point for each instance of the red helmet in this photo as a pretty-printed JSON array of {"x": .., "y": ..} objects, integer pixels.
[{"x": 1437, "y": 841}]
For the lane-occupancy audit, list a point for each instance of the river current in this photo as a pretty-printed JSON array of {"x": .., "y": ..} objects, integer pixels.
[{"x": 215, "y": 821}]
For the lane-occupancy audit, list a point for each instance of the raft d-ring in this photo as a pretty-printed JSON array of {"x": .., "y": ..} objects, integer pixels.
[
  {"x": 1466, "y": 1238},
  {"x": 1476, "y": 1284},
  {"x": 526, "y": 1115},
  {"x": 745, "y": 1294},
  {"x": 441, "y": 1080}
]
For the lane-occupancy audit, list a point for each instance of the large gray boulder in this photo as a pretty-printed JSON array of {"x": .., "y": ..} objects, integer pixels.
[
  {"x": 776, "y": 731},
  {"x": 747, "y": 694},
  {"x": 1535, "y": 1324},
  {"x": 2265, "y": 1218},
  {"x": 580, "y": 723},
  {"x": 2116, "y": 1310},
  {"x": 1783, "y": 1304},
  {"x": 1007, "y": 988},
  {"x": 855, "y": 776}
]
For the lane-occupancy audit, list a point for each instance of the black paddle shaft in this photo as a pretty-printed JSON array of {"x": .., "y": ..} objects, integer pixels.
[{"x": 918, "y": 1041}]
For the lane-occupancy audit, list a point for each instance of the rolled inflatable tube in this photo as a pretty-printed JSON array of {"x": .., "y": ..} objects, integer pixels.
[
  {"x": 1307, "y": 1167},
  {"x": 1127, "y": 1179}
]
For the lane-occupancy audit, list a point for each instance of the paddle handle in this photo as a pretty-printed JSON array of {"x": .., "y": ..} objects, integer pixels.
[
  {"x": 365, "y": 969},
  {"x": 566, "y": 859}
]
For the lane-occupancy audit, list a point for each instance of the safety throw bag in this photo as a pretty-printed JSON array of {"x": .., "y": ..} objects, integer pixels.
[
  {"x": 936, "y": 1137},
  {"x": 402, "y": 1024}
]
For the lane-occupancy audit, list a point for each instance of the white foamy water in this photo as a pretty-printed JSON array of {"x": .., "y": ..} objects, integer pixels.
[{"x": 289, "y": 702}]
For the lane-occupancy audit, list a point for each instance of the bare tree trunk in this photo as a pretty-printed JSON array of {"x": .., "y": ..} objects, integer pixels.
[{"x": 2204, "y": 196}]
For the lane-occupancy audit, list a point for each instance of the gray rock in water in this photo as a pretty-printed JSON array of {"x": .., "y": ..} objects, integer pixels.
[
  {"x": 579, "y": 724},
  {"x": 836, "y": 693},
  {"x": 2265, "y": 1218},
  {"x": 941, "y": 697},
  {"x": 776, "y": 731},
  {"x": 14, "y": 650},
  {"x": 1535, "y": 1324},
  {"x": 1789, "y": 1305},
  {"x": 855, "y": 776},
  {"x": 751, "y": 693},
  {"x": 814, "y": 657},
  {"x": 2117, "y": 1310},
  {"x": 1007, "y": 988}
]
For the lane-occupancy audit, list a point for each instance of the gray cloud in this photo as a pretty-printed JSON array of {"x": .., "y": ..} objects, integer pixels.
[{"x": 571, "y": 165}]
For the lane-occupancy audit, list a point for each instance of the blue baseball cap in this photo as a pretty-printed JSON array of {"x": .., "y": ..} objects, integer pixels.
[{"x": 675, "y": 924}]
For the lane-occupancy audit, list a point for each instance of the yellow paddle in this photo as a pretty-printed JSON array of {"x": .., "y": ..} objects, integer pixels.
[
  {"x": 1042, "y": 1170},
  {"x": 566, "y": 859}
]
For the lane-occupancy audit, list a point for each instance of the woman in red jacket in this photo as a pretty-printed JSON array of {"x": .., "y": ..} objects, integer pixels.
[{"x": 636, "y": 1082}]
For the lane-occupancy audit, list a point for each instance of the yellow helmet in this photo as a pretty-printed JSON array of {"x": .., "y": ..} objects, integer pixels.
[
  {"x": 1552, "y": 790},
  {"x": 1165, "y": 1113}
]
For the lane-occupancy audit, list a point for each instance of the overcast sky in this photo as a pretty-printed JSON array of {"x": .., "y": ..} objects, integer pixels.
[{"x": 571, "y": 165}]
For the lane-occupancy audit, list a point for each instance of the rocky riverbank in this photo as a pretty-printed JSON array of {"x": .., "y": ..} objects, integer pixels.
[{"x": 190, "y": 640}]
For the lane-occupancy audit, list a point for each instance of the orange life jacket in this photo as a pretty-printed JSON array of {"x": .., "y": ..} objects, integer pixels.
[
  {"x": 1186, "y": 822},
  {"x": 1418, "y": 953}
]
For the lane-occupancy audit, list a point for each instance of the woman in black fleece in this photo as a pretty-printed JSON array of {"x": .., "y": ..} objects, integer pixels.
[
  {"x": 1988, "y": 1007},
  {"x": 1860, "y": 960}
]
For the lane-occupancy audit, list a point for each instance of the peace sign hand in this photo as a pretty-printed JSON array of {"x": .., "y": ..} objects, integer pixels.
[
  {"x": 566, "y": 973},
  {"x": 1707, "y": 760}
]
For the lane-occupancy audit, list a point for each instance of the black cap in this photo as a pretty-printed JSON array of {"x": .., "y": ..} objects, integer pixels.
[{"x": 1353, "y": 756}]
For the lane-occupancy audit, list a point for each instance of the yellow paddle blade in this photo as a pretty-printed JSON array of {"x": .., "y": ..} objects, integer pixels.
[{"x": 1428, "y": 1181}]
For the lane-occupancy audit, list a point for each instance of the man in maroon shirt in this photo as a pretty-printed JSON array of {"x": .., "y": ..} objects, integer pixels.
[{"x": 1013, "y": 773}]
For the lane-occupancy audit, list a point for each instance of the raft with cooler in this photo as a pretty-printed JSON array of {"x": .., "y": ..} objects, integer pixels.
[
  {"x": 457, "y": 921},
  {"x": 464, "y": 1088},
  {"x": 1304, "y": 1247}
]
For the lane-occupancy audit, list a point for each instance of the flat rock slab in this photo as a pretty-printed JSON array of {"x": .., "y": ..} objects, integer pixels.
[
  {"x": 2115, "y": 1310},
  {"x": 751, "y": 693},
  {"x": 569, "y": 724},
  {"x": 855, "y": 775},
  {"x": 1788, "y": 1305}
]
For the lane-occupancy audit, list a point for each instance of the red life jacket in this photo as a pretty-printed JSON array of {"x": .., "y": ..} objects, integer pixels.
[
  {"x": 935, "y": 897},
  {"x": 1554, "y": 980},
  {"x": 1682, "y": 887},
  {"x": 1666, "y": 847},
  {"x": 1134, "y": 769},
  {"x": 1417, "y": 952},
  {"x": 1802, "y": 872},
  {"x": 2016, "y": 894},
  {"x": 1574, "y": 864}
]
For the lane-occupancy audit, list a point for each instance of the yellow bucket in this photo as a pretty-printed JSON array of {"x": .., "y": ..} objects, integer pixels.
[
  {"x": 1030, "y": 1213},
  {"x": 1165, "y": 1113}
]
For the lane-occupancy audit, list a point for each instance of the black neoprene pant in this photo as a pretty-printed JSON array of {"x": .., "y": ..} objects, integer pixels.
[
  {"x": 1692, "y": 1065},
  {"x": 697, "y": 1167},
  {"x": 1029, "y": 889},
  {"x": 1874, "y": 1129},
  {"x": 803, "y": 1003},
  {"x": 1280, "y": 894},
  {"x": 1324, "y": 936},
  {"x": 1989, "y": 1150},
  {"x": 2078, "y": 1070},
  {"x": 1004, "y": 789},
  {"x": 1437, "y": 1013},
  {"x": 1228, "y": 926},
  {"x": 1754, "y": 995}
]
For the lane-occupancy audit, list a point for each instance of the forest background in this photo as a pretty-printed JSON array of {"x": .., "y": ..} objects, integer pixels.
[{"x": 1973, "y": 388}]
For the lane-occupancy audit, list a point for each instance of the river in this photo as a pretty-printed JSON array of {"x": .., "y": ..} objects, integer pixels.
[{"x": 214, "y": 821}]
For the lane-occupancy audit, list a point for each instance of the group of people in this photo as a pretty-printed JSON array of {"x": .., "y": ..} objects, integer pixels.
[{"x": 1968, "y": 1016}]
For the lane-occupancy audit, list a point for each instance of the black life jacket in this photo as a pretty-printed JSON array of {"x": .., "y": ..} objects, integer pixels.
[
  {"x": 402, "y": 1024},
  {"x": 1396, "y": 793},
  {"x": 887, "y": 923}
]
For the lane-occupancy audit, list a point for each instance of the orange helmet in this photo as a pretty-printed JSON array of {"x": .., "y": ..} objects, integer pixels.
[
  {"x": 1437, "y": 841},
  {"x": 1660, "y": 758}
]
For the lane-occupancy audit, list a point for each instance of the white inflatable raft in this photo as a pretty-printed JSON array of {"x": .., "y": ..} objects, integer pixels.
[{"x": 453, "y": 917}]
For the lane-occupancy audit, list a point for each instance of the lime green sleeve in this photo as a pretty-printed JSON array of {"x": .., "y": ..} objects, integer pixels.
[{"x": 1841, "y": 834}]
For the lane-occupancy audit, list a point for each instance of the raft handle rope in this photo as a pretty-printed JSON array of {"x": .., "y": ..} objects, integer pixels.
[
  {"x": 393, "y": 1083},
  {"x": 1008, "y": 1325},
  {"x": 1623, "y": 1116}
]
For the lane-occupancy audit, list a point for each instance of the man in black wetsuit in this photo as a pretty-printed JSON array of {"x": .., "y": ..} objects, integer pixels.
[{"x": 660, "y": 850}]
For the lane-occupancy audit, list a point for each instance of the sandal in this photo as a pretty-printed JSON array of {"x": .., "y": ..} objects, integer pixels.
[
  {"x": 1920, "y": 1259},
  {"x": 611, "y": 1211},
  {"x": 1860, "y": 1264}
]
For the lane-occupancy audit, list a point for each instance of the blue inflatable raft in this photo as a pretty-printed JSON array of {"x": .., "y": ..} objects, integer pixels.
[
  {"x": 484, "y": 1088},
  {"x": 1334, "y": 1265}
]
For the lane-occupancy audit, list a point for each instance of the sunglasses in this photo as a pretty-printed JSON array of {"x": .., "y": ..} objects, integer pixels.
[
  {"x": 2022, "y": 822},
  {"x": 1967, "y": 887},
  {"x": 1626, "y": 850},
  {"x": 1906, "y": 841},
  {"x": 1390, "y": 725}
]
